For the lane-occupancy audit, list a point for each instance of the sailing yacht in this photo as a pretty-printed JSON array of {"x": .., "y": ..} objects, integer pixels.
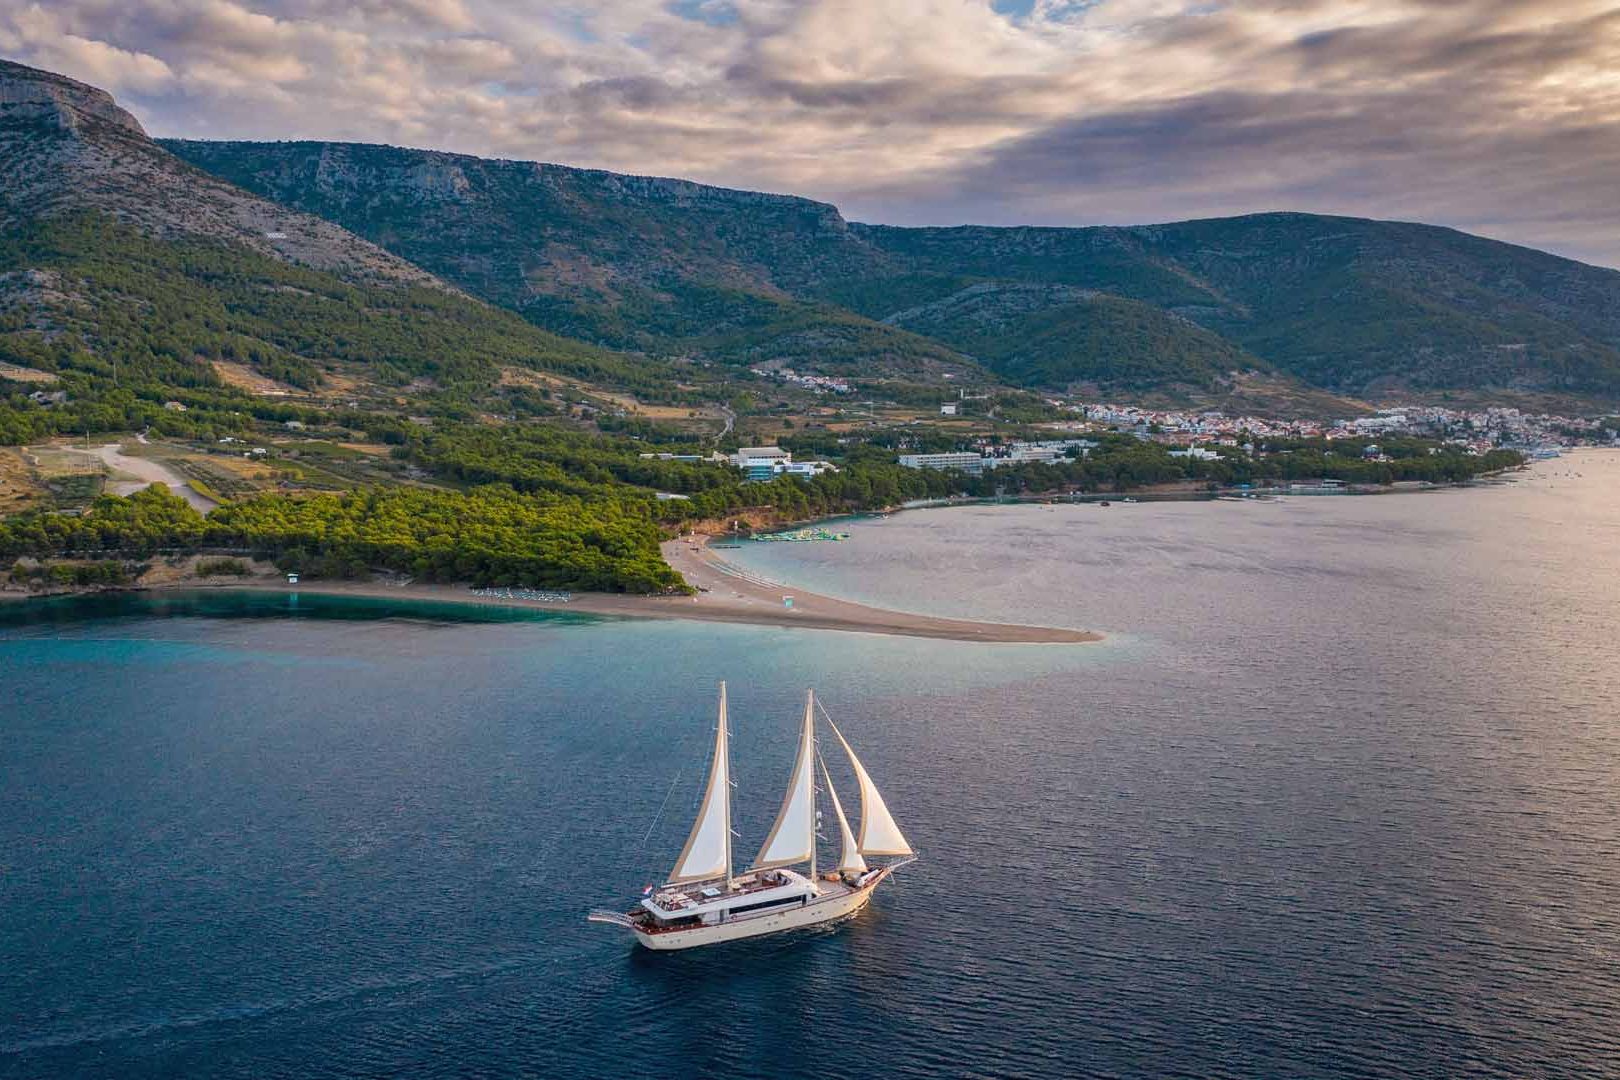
[{"x": 706, "y": 901}]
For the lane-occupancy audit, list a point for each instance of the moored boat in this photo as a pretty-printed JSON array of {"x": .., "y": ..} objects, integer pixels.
[
  {"x": 705, "y": 902},
  {"x": 800, "y": 536}
]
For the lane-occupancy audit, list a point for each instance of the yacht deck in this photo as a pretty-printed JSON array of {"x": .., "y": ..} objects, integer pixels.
[
  {"x": 687, "y": 918},
  {"x": 696, "y": 894}
]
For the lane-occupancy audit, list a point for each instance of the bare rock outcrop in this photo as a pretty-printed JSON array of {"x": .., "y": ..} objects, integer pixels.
[
  {"x": 31, "y": 96},
  {"x": 69, "y": 148}
]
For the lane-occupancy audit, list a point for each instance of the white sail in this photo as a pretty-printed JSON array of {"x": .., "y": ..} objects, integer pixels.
[
  {"x": 707, "y": 853},
  {"x": 793, "y": 838},
  {"x": 879, "y": 834},
  {"x": 849, "y": 852}
]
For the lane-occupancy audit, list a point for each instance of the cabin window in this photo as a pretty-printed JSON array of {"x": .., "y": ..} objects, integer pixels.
[{"x": 788, "y": 902}]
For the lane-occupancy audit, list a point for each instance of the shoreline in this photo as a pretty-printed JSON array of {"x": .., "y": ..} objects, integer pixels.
[
  {"x": 727, "y": 594},
  {"x": 1170, "y": 491}
]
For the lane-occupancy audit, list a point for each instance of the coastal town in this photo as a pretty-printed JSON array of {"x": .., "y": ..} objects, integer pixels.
[
  {"x": 1190, "y": 435},
  {"x": 1479, "y": 430},
  {"x": 1209, "y": 435}
]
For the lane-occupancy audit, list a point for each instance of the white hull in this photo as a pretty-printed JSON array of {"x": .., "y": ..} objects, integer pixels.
[
  {"x": 823, "y": 909},
  {"x": 704, "y": 901}
]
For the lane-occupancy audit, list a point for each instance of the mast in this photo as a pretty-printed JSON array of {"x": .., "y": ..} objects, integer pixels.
[
  {"x": 725, "y": 751},
  {"x": 810, "y": 733},
  {"x": 707, "y": 854}
]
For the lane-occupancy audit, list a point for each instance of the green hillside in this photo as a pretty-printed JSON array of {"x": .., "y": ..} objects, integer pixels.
[
  {"x": 662, "y": 266},
  {"x": 1040, "y": 335},
  {"x": 1342, "y": 303},
  {"x": 128, "y": 322},
  {"x": 670, "y": 267}
]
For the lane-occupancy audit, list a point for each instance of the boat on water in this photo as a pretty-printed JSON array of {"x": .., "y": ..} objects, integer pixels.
[
  {"x": 706, "y": 901},
  {"x": 802, "y": 536}
]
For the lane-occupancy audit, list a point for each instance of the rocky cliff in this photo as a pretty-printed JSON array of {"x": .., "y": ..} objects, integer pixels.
[
  {"x": 66, "y": 147},
  {"x": 31, "y": 96}
]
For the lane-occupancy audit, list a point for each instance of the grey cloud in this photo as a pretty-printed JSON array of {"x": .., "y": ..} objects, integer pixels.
[
  {"x": 449, "y": 14},
  {"x": 631, "y": 92},
  {"x": 1413, "y": 47},
  {"x": 1415, "y": 158}
]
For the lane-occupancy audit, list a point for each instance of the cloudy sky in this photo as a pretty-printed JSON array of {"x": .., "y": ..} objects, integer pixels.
[{"x": 1497, "y": 116}]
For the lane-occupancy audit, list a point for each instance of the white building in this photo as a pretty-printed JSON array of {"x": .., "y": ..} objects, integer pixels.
[
  {"x": 759, "y": 455},
  {"x": 806, "y": 468},
  {"x": 948, "y": 409},
  {"x": 967, "y": 462},
  {"x": 766, "y": 462},
  {"x": 1023, "y": 453},
  {"x": 761, "y": 462},
  {"x": 1020, "y": 453}
]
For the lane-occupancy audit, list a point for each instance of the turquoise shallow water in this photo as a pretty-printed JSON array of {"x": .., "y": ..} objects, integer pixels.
[{"x": 1336, "y": 798}]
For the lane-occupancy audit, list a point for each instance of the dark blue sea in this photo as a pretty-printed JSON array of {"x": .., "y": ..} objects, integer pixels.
[{"x": 1339, "y": 796}]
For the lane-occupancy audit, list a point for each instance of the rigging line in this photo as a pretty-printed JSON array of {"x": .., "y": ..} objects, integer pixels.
[
  {"x": 667, "y": 793},
  {"x": 680, "y": 770},
  {"x": 825, "y": 715}
]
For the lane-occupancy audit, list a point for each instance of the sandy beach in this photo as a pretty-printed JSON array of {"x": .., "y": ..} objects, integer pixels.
[{"x": 729, "y": 594}]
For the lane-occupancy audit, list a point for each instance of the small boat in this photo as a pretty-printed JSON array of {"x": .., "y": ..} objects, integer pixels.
[{"x": 706, "y": 902}]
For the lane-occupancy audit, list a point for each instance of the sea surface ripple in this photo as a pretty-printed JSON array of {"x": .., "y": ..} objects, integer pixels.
[{"x": 1338, "y": 796}]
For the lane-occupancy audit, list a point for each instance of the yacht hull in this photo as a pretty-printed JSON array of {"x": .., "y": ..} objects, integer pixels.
[{"x": 823, "y": 909}]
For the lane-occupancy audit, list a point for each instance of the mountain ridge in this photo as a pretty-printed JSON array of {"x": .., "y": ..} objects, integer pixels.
[
  {"x": 682, "y": 271},
  {"x": 66, "y": 148},
  {"x": 649, "y": 264},
  {"x": 1351, "y": 305}
]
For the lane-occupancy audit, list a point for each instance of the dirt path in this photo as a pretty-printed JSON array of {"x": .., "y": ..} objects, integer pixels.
[{"x": 131, "y": 474}]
